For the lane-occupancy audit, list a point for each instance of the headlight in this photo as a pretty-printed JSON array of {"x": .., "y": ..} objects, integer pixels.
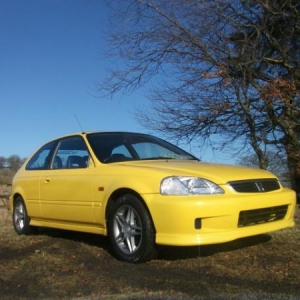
[{"x": 177, "y": 185}]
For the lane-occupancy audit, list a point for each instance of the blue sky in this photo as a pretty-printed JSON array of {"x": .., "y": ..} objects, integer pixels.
[{"x": 51, "y": 59}]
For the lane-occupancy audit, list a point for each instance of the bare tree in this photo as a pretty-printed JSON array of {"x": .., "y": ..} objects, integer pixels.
[
  {"x": 2, "y": 162},
  {"x": 224, "y": 68},
  {"x": 271, "y": 40}
]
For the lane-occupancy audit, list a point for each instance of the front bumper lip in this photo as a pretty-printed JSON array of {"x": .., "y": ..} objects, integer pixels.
[{"x": 217, "y": 237}]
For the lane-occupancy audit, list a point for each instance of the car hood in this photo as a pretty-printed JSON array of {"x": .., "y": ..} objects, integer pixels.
[{"x": 218, "y": 173}]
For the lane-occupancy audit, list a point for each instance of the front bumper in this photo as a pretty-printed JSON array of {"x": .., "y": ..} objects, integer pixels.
[{"x": 211, "y": 219}]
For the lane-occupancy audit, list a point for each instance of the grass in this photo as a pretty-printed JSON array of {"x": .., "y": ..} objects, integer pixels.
[{"x": 55, "y": 264}]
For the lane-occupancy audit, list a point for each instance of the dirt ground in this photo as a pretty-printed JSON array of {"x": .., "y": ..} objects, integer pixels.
[{"x": 55, "y": 264}]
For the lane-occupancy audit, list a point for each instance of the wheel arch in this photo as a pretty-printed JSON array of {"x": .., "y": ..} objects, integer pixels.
[
  {"x": 15, "y": 196},
  {"x": 118, "y": 193}
]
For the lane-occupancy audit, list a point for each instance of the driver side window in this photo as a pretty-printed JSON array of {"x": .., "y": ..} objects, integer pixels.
[{"x": 71, "y": 153}]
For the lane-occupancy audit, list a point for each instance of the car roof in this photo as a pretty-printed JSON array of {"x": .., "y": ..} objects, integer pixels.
[{"x": 82, "y": 133}]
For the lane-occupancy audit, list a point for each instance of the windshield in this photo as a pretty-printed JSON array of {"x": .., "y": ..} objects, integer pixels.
[{"x": 120, "y": 146}]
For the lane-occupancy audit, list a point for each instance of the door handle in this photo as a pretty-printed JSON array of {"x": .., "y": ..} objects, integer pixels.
[{"x": 47, "y": 180}]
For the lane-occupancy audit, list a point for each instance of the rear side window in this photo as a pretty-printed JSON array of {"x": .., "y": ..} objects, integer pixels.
[{"x": 41, "y": 158}]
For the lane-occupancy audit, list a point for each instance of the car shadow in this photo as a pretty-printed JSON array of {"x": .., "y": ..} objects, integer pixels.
[
  {"x": 76, "y": 236},
  {"x": 170, "y": 253}
]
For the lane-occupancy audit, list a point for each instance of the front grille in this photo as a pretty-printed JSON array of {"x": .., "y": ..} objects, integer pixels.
[
  {"x": 263, "y": 215},
  {"x": 255, "y": 186}
]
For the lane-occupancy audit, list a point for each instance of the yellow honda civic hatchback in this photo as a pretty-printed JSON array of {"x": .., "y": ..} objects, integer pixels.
[{"x": 142, "y": 191}]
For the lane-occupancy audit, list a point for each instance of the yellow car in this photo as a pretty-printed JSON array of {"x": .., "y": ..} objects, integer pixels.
[{"x": 142, "y": 191}]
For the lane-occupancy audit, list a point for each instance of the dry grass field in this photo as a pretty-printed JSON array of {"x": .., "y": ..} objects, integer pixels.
[{"x": 55, "y": 264}]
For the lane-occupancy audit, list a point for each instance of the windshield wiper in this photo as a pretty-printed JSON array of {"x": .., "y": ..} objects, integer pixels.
[
  {"x": 168, "y": 158},
  {"x": 157, "y": 158}
]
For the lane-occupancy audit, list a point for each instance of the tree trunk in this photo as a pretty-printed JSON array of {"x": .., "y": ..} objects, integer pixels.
[{"x": 292, "y": 147}]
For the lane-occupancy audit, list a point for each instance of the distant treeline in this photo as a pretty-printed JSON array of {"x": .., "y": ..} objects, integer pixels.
[{"x": 8, "y": 167}]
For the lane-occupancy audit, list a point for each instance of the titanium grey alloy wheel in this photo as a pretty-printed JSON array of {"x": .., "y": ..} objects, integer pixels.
[
  {"x": 127, "y": 229},
  {"x": 20, "y": 217},
  {"x": 131, "y": 231}
]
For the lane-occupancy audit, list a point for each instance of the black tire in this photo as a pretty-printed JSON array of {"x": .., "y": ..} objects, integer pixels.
[
  {"x": 131, "y": 231},
  {"x": 20, "y": 217}
]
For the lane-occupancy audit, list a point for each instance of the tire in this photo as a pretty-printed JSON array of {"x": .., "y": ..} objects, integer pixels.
[
  {"x": 131, "y": 231},
  {"x": 20, "y": 217}
]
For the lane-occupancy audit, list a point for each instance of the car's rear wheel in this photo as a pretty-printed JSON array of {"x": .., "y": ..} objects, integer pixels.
[
  {"x": 131, "y": 231},
  {"x": 20, "y": 217}
]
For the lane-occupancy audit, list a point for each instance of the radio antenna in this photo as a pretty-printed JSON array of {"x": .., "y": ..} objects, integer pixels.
[{"x": 78, "y": 122}]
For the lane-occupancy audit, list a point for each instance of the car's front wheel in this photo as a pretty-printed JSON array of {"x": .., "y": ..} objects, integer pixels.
[
  {"x": 20, "y": 217},
  {"x": 131, "y": 231}
]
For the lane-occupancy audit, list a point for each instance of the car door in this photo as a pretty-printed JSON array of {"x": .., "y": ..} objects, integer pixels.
[
  {"x": 66, "y": 188},
  {"x": 35, "y": 170}
]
